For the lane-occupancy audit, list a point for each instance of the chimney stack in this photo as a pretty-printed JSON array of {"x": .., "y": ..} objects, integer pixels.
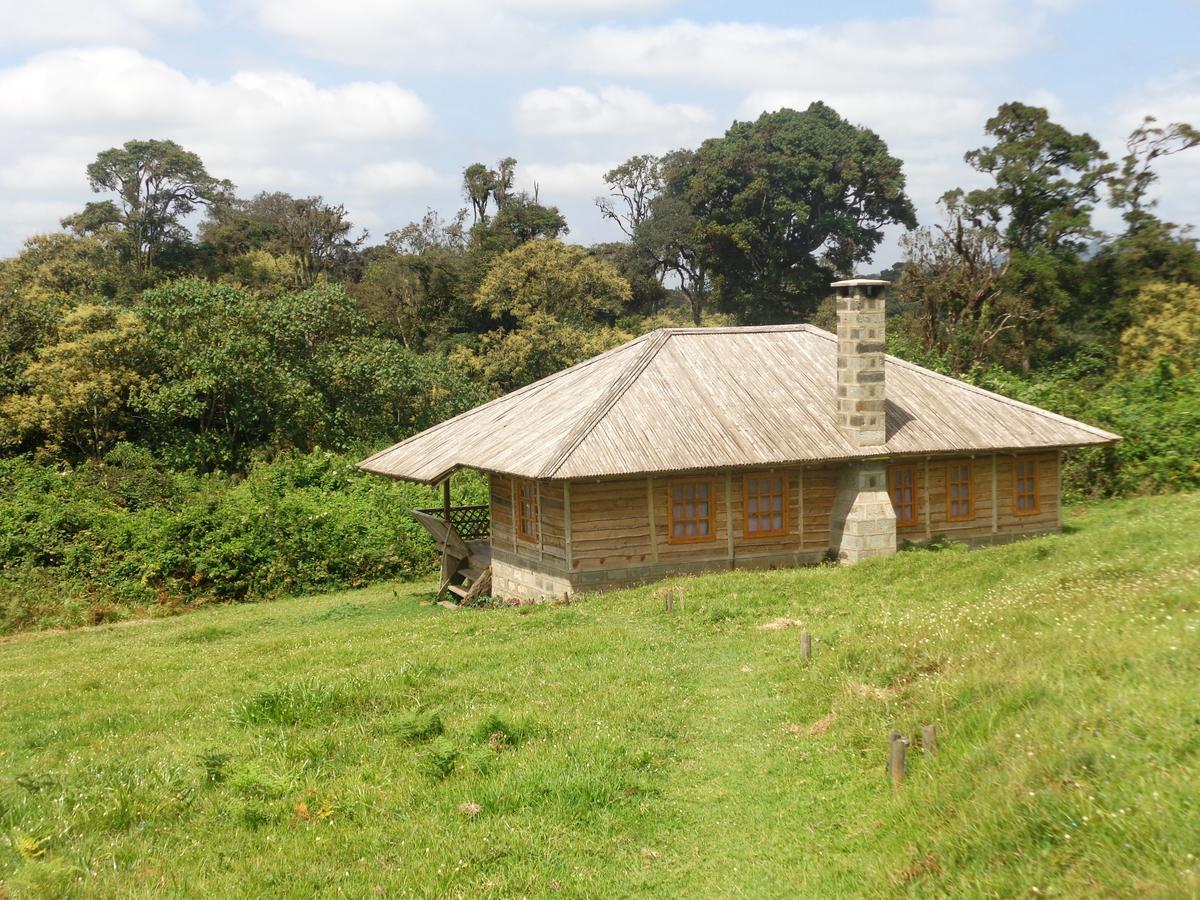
[{"x": 860, "y": 349}]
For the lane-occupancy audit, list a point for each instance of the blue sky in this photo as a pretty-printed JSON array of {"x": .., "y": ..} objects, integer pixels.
[{"x": 380, "y": 104}]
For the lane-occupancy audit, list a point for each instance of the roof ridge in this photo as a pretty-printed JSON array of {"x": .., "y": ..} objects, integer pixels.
[
  {"x": 541, "y": 382},
  {"x": 975, "y": 389},
  {"x": 605, "y": 402}
]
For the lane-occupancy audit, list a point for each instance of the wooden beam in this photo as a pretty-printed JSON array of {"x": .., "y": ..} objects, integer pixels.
[
  {"x": 995, "y": 498},
  {"x": 1058, "y": 478},
  {"x": 446, "y": 498},
  {"x": 512, "y": 509},
  {"x": 541, "y": 526},
  {"x": 925, "y": 498},
  {"x": 800, "y": 488},
  {"x": 729, "y": 515},
  {"x": 567, "y": 521},
  {"x": 650, "y": 509}
]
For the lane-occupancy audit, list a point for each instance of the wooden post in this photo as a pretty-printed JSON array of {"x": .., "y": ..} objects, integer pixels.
[
  {"x": 1058, "y": 479},
  {"x": 446, "y": 499},
  {"x": 925, "y": 492},
  {"x": 541, "y": 526},
  {"x": 650, "y": 513},
  {"x": 805, "y": 645},
  {"x": 896, "y": 759},
  {"x": 729, "y": 516},
  {"x": 995, "y": 498},
  {"x": 929, "y": 739},
  {"x": 567, "y": 522},
  {"x": 800, "y": 490},
  {"x": 512, "y": 502}
]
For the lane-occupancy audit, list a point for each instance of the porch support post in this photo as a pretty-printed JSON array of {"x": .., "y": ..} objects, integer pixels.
[{"x": 446, "y": 498}]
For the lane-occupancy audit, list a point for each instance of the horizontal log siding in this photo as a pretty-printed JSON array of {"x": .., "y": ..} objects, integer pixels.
[
  {"x": 980, "y": 526},
  {"x": 553, "y": 524},
  {"x": 610, "y": 522},
  {"x": 500, "y": 492}
]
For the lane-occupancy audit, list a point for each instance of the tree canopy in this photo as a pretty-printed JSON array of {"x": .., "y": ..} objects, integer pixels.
[{"x": 787, "y": 201}]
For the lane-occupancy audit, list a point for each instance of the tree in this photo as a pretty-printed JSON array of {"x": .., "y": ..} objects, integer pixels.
[
  {"x": 557, "y": 279},
  {"x": 786, "y": 201},
  {"x": 77, "y": 389},
  {"x": 482, "y": 186},
  {"x": 431, "y": 234},
  {"x": 1165, "y": 331},
  {"x": 507, "y": 359},
  {"x": 1128, "y": 190},
  {"x": 1047, "y": 180},
  {"x": 671, "y": 237},
  {"x": 317, "y": 234},
  {"x": 632, "y": 186},
  {"x": 392, "y": 296},
  {"x": 951, "y": 286},
  {"x": 157, "y": 184}
]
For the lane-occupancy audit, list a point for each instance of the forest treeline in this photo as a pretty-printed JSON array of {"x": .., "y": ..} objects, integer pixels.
[{"x": 229, "y": 356}]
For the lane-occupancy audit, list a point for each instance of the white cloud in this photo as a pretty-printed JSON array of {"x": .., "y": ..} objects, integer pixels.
[
  {"x": 93, "y": 21},
  {"x": 390, "y": 34},
  {"x": 572, "y": 179},
  {"x": 613, "y": 111},
  {"x": 396, "y": 175},
  {"x": 262, "y": 129}
]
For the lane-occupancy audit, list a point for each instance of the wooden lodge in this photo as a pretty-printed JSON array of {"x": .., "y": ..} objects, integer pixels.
[{"x": 702, "y": 449}]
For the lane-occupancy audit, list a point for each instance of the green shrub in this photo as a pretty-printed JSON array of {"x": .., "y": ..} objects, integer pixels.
[{"x": 97, "y": 542}]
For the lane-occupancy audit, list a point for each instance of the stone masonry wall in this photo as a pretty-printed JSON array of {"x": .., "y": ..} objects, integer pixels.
[{"x": 864, "y": 523}]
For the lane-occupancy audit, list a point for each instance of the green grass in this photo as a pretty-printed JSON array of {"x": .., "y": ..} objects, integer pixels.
[{"x": 363, "y": 743}]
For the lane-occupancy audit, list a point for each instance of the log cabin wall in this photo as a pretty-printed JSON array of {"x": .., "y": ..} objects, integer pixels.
[
  {"x": 932, "y": 519},
  {"x": 607, "y": 533},
  {"x": 621, "y": 534}
]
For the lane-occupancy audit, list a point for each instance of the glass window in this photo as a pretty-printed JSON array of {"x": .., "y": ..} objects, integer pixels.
[
  {"x": 765, "y": 511},
  {"x": 960, "y": 492},
  {"x": 690, "y": 511}
]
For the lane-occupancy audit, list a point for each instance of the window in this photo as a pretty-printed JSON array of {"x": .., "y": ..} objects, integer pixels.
[
  {"x": 690, "y": 512},
  {"x": 902, "y": 487},
  {"x": 527, "y": 510},
  {"x": 960, "y": 492},
  {"x": 764, "y": 499},
  {"x": 1026, "y": 495}
]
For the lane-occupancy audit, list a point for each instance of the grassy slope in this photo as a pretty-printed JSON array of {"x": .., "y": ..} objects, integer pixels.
[{"x": 654, "y": 752}]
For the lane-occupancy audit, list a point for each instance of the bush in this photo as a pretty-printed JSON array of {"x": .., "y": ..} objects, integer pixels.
[{"x": 105, "y": 539}]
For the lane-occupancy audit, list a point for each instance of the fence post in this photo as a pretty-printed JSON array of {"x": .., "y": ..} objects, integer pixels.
[
  {"x": 805, "y": 644},
  {"x": 929, "y": 739},
  {"x": 896, "y": 759}
]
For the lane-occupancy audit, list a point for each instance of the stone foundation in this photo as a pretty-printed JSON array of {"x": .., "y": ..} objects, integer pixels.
[
  {"x": 515, "y": 582},
  {"x": 863, "y": 523}
]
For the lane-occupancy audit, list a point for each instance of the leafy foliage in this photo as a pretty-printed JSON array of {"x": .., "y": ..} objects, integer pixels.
[{"x": 127, "y": 533}]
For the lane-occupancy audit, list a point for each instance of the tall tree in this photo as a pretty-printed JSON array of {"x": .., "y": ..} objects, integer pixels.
[
  {"x": 786, "y": 201},
  {"x": 1047, "y": 180},
  {"x": 316, "y": 234},
  {"x": 1130, "y": 187},
  {"x": 157, "y": 183},
  {"x": 632, "y": 187}
]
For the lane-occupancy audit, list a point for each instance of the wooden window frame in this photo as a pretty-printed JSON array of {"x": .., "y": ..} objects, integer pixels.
[
  {"x": 970, "y": 516},
  {"x": 712, "y": 511},
  {"x": 1037, "y": 487},
  {"x": 785, "y": 487},
  {"x": 528, "y": 536},
  {"x": 911, "y": 468}
]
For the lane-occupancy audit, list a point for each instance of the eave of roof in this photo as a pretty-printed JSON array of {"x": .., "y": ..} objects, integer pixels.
[{"x": 561, "y": 416}]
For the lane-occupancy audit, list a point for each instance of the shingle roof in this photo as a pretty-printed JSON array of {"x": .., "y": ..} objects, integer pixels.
[{"x": 703, "y": 398}]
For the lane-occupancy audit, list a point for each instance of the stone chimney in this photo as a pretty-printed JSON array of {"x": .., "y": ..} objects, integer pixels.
[{"x": 861, "y": 388}]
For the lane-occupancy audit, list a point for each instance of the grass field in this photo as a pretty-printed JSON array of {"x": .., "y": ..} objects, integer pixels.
[{"x": 366, "y": 744}]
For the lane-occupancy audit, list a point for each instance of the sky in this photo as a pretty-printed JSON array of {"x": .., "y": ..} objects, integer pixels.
[{"x": 380, "y": 104}]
